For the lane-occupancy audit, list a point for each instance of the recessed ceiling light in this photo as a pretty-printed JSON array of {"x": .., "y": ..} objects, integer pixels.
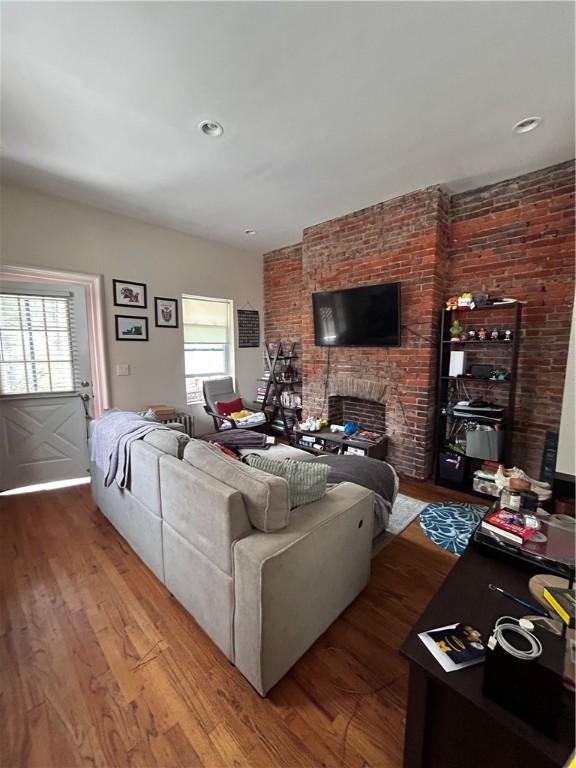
[
  {"x": 211, "y": 128},
  {"x": 250, "y": 232},
  {"x": 527, "y": 124}
]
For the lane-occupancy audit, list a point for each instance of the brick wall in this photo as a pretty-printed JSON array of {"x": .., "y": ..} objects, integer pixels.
[
  {"x": 283, "y": 292},
  {"x": 514, "y": 238},
  {"x": 517, "y": 238}
]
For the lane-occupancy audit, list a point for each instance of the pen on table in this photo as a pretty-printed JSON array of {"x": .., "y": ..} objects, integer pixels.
[{"x": 510, "y": 596}]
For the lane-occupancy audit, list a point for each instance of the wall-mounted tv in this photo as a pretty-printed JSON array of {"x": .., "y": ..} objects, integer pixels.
[{"x": 358, "y": 317}]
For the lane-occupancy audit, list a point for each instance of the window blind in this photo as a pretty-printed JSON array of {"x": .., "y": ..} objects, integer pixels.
[
  {"x": 38, "y": 348},
  {"x": 207, "y": 325}
]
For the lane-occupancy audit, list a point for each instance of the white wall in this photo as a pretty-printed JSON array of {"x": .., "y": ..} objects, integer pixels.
[
  {"x": 45, "y": 231},
  {"x": 566, "y": 463}
]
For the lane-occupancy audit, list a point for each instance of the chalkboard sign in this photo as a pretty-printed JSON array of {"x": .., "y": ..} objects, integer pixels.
[{"x": 248, "y": 328}]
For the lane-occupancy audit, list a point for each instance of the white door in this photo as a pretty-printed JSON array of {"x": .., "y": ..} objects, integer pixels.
[{"x": 45, "y": 390}]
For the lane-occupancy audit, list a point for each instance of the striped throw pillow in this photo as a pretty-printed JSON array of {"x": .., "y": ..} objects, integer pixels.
[{"x": 306, "y": 479}]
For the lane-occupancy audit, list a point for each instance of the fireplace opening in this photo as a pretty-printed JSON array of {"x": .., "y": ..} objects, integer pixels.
[{"x": 367, "y": 413}]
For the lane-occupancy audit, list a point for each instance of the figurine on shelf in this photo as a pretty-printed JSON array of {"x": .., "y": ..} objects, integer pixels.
[
  {"x": 465, "y": 301},
  {"x": 472, "y": 334},
  {"x": 494, "y": 334},
  {"x": 452, "y": 302},
  {"x": 482, "y": 334},
  {"x": 455, "y": 331},
  {"x": 289, "y": 373},
  {"x": 464, "y": 336},
  {"x": 310, "y": 425},
  {"x": 507, "y": 335}
]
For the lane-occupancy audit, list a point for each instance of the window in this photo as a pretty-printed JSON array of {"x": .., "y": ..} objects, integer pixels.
[
  {"x": 35, "y": 344},
  {"x": 208, "y": 343}
]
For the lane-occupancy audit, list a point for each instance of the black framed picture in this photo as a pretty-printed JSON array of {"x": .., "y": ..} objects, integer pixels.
[
  {"x": 166, "y": 312},
  {"x": 129, "y": 294},
  {"x": 131, "y": 328}
]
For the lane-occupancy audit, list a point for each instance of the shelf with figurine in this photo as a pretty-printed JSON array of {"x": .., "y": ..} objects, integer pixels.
[
  {"x": 461, "y": 335},
  {"x": 472, "y": 302},
  {"x": 465, "y": 360}
]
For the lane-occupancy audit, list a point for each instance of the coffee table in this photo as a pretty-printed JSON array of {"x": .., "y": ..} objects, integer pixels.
[{"x": 450, "y": 723}]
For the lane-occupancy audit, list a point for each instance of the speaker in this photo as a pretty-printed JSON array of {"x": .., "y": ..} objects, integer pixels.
[{"x": 481, "y": 371}]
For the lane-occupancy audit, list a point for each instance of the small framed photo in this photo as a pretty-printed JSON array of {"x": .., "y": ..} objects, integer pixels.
[
  {"x": 127, "y": 294},
  {"x": 166, "y": 312},
  {"x": 131, "y": 328}
]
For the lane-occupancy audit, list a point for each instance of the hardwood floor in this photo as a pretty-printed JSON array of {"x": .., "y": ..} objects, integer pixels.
[{"x": 99, "y": 666}]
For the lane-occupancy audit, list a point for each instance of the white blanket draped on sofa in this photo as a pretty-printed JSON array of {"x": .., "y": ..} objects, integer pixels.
[{"x": 112, "y": 435}]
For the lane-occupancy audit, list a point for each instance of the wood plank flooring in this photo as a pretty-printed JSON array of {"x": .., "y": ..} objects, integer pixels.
[{"x": 99, "y": 666}]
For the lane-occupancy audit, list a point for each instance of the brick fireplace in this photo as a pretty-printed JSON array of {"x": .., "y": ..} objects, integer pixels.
[
  {"x": 351, "y": 398},
  {"x": 513, "y": 238},
  {"x": 368, "y": 414},
  {"x": 405, "y": 240}
]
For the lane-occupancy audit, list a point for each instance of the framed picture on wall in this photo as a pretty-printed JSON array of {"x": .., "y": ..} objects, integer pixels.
[
  {"x": 131, "y": 328},
  {"x": 166, "y": 312},
  {"x": 128, "y": 294}
]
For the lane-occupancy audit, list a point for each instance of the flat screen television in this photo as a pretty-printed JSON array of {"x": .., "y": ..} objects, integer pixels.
[{"x": 358, "y": 317}]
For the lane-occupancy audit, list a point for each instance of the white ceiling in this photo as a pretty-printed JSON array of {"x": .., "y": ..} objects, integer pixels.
[{"x": 326, "y": 107}]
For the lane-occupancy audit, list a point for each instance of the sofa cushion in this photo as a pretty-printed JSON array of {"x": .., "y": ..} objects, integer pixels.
[
  {"x": 306, "y": 479},
  {"x": 265, "y": 496},
  {"x": 168, "y": 441}
]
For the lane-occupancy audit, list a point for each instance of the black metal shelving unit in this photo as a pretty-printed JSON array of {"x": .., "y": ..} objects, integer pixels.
[
  {"x": 488, "y": 316},
  {"x": 276, "y": 355}
]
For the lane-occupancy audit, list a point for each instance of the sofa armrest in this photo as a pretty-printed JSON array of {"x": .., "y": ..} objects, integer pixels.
[
  {"x": 290, "y": 585},
  {"x": 175, "y": 425}
]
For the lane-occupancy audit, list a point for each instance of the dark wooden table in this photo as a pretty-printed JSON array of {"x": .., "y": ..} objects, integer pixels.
[{"x": 450, "y": 723}]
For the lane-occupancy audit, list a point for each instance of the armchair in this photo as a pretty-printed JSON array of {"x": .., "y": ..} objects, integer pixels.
[{"x": 222, "y": 391}]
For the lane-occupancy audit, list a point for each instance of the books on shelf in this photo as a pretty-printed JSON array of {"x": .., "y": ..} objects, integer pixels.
[
  {"x": 455, "y": 646},
  {"x": 507, "y": 526},
  {"x": 278, "y": 424},
  {"x": 290, "y": 400},
  {"x": 563, "y": 602}
]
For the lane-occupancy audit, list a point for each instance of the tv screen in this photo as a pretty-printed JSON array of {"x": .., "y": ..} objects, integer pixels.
[{"x": 358, "y": 317}]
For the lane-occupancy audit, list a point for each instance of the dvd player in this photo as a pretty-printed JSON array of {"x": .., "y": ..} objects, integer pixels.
[{"x": 478, "y": 409}]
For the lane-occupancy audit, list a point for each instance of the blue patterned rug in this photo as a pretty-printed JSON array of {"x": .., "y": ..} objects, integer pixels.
[{"x": 451, "y": 523}]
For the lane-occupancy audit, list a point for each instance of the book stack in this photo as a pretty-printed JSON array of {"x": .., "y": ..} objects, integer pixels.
[
  {"x": 260, "y": 394},
  {"x": 484, "y": 480},
  {"x": 508, "y": 527},
  {"x": 563, "y": 602},
  {"x": 278, "y": 424},
  {"x": 163, "y": 412},
  {"x": 290, "y": 400}
]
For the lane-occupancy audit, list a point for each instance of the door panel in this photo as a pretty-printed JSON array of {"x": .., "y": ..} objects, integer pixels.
[
  {"x": 43, "y": 439},
  {"x": 43, "y": 436}
]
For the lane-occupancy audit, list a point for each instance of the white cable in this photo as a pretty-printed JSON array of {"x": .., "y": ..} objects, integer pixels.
[{"x": 503, "y": 624}]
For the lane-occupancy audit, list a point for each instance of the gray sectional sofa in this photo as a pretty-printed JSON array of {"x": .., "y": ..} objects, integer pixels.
[{"x": 263, "y": 581}]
